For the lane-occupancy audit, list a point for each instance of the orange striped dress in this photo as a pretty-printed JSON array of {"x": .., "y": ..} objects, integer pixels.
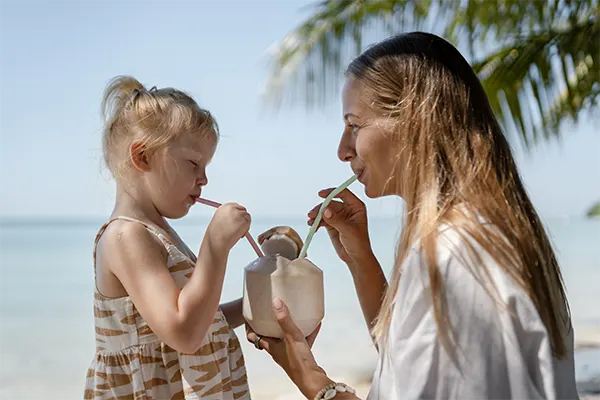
[{"x": 131, "y": 362}]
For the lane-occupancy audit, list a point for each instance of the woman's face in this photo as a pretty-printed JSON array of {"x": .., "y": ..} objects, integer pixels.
[{"x": 365, "y": 143}]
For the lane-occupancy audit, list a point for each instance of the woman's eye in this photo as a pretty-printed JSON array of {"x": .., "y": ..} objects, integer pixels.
[{"x": 354, "y": 128}]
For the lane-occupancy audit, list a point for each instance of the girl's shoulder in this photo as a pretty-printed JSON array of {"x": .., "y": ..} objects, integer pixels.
[{"x": 124, "y": 235}]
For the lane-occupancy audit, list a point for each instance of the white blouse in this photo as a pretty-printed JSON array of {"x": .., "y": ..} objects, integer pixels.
[{"x": 500, "y": 355}]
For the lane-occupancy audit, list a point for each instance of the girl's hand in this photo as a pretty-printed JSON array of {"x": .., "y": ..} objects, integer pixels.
[
  {"x": 229, "y": 224},
  {"x": 346, "y": 224},
  {"x": 293, "y": 352}
]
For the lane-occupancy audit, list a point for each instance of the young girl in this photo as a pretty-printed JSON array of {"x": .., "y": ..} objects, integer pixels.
[{"x": 160, "y": 333}]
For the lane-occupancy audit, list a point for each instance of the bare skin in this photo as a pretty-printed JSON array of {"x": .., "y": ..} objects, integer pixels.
[
  {"x": 370, "y": 155},
  {"x": 132, "y": 262},
  {"x": 346, "y": 224}
]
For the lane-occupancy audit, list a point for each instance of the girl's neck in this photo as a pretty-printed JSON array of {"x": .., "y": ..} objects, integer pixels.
[{"x": 132, "y": 202}]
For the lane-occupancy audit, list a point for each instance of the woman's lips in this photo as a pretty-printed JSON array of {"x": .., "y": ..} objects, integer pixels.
[{"x": 360, "y": 175}]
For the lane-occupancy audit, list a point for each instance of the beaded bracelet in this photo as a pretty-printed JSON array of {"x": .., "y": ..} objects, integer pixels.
[{"x": 331, "y": 390}]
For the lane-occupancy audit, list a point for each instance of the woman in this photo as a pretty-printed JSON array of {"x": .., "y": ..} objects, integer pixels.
[{"x": 475, "y": 307}]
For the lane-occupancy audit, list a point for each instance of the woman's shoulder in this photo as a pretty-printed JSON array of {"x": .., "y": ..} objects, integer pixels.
[
  {"x": 463, "y": 263},
  {"x": 452, "y": 244},
  {"x": 474, "y": 286}
]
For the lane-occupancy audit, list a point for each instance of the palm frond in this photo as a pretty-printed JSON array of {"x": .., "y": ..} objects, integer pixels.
[
  {"x": 543, "y": 79},
  {"x": 308, "y": 62},
  {"x": 542, "y": 65}
]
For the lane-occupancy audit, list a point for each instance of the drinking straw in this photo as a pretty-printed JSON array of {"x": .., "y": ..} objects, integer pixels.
[
  {"x": 324, "y": 205},
  {"x": 248, "y": 236}
]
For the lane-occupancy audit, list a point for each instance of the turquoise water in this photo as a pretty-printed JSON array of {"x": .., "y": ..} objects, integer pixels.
[{"x": 46, "y": 283}]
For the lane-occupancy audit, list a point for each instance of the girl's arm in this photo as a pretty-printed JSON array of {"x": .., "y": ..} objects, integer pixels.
[{"x": 180, "y": 318}]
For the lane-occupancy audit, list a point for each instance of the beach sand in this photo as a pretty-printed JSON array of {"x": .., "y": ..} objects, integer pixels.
[{"x": 587, "y": 337}]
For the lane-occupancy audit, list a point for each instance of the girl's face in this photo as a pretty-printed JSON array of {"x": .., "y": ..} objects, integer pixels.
[
  {"x": 177, "y": 173},
  {"x": 365, "y": 144}
]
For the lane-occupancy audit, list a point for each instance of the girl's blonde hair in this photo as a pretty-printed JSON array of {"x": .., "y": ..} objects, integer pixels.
[
  {"x": 154, "y": 117},
  {"x": 453, "y": 152}
]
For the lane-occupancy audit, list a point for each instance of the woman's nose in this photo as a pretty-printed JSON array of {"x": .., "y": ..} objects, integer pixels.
[{"x": 346, "y": 150}]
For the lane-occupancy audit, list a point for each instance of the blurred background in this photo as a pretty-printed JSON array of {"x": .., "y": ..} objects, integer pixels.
[{"x": 271, "y": 73}]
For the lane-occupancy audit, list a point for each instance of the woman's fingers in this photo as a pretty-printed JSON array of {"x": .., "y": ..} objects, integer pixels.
[
  {"x": 334, "y": 206},
  {"x": 264, "y": 343},
  {"x": 335, "y": 215},
  {"x": 291, "y": 332},
  {"x": 345, "y": 195}
]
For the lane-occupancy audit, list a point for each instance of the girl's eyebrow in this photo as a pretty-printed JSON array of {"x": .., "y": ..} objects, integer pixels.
[{"x": 192, "y": 153}]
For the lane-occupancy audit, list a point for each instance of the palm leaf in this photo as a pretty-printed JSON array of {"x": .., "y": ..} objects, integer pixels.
[
  {"x": 541, "y": 67},
  {"x": 531, "y": 76},
  {"x": 308, "y": 62}
]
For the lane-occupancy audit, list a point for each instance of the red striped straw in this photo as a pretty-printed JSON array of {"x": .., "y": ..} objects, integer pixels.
[{"x": 248, "y": 236}]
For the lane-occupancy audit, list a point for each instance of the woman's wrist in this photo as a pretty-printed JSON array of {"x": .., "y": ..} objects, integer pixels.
[
  {"x": 337, "y": 390},
  {"x": 364, "y": 262},
  {"x": 315, "y": 384}
]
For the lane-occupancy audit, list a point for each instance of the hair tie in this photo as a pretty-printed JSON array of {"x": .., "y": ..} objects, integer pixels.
[
  {"x": 134, "y": 94},
  {"x": 153, "y": 89}
]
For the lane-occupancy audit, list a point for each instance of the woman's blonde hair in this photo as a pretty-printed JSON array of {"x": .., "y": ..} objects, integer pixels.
[
  {"x": 154, "y": 117},
  {"x": 453, "y": 152}
]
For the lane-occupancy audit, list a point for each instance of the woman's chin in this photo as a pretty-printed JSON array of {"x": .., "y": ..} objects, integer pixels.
[
  {"x": 370, "y": 193},
  {"x": 375, "y": 192}
]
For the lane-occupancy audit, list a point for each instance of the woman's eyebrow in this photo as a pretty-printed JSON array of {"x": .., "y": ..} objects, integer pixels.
[{"x": 346, "y": 116}]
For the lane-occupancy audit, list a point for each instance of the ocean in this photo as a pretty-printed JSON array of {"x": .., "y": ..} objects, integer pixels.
[{"x": 46, "y": 292}]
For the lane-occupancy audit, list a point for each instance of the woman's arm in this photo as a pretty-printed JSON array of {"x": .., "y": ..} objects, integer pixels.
[
  {"x": 370, "y": 284},
  {"x": 347, "y": 225},
  {"x": 233, "y": 313},
  {"x": 293, "y": 354}
]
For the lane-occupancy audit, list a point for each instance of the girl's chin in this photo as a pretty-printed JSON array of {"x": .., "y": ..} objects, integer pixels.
[{"x": 180, "y": 212}]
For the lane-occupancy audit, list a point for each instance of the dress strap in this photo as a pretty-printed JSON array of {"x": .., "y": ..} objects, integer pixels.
[{"x": 149, "y": 227}]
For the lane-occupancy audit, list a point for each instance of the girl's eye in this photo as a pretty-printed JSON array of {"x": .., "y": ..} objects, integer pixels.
[{"x": 194, "y": 163}]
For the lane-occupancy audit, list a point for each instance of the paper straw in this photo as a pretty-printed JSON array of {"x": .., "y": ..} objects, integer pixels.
[
  {"x": 326, "y": 202},
  {"x": 248, "y": 236}
]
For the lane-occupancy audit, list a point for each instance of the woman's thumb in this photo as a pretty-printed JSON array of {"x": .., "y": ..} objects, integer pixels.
[
  {"x": 282, "y": 313},
  {"x": 330, "y": 216}
]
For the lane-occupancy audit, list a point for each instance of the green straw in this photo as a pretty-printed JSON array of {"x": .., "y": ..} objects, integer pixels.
[{"x": 326, "y": 202}]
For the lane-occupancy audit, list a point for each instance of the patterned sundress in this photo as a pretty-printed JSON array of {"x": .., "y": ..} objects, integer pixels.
[{"x": 131, "y": 362}]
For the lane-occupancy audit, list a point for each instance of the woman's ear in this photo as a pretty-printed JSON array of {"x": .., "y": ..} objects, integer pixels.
[{"x": 139, "y": 157}]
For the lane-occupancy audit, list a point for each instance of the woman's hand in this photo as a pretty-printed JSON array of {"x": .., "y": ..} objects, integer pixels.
[
  {"x": 346, "y": 224},
  {"x": 293, "y": 352}
]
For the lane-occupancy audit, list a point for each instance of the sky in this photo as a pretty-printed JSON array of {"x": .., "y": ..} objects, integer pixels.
[{"x": 56, "y": 58}]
